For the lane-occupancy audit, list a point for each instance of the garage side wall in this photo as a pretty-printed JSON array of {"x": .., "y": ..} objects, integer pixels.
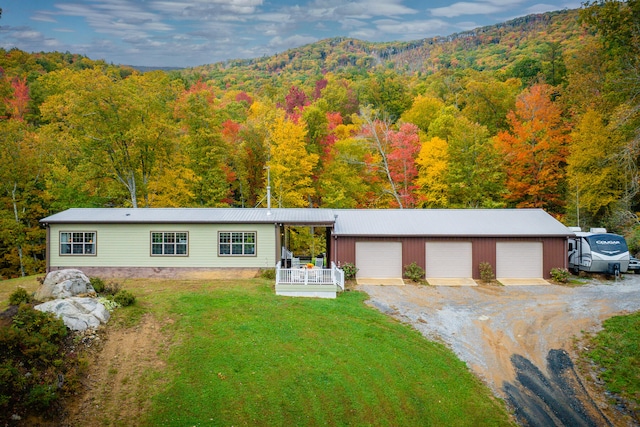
[{"x": 484, "y": 250}]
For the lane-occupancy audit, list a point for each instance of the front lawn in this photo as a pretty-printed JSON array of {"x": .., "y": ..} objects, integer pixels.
[
  {"x": 237, "y": 354},
  {"x": 248, "y": 357}
]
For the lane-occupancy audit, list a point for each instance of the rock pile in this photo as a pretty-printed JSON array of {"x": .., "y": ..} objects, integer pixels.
[
  {"x": 64, "y": 284},
  {"x": 70, "y": 296}
]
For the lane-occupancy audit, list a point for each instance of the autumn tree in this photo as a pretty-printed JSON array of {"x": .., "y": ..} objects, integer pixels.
[
  {"x": 593, "y": 173},
  {"x": 432, "y": 185},
  {"x": 405, "y": 146},
  {"x": 392, "y": 154},
  {"x": 487, "y": 100},
  {"x": 340, "y": 96},
  {"x": 207, "y": 154},
  {"x": 424, "y": 110},
  {"x": 124, "y": 126},
  {"x": 534, "y": 151},
  {"x": 21, "y": 183},
  {"x": 387, "y": 92},
  {"x": 290, "y": 165},
  {"x": 254, "y": 134},
  {"x": 474, "y": 176}
]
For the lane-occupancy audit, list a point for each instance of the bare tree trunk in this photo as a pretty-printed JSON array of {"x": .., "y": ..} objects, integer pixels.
[
  {"x": 17, "y": 218},
  {"x": 381, "y": 147}
]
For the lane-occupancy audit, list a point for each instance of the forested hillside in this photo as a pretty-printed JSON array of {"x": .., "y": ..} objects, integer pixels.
[{"x": 540, "y": 112}]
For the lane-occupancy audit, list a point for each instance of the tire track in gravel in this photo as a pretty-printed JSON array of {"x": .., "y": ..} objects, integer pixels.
[{"x": 518, "y": 338}]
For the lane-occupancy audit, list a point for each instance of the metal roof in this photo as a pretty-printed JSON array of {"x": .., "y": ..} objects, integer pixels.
[
  {"x": 191, "y": 215},
  {"x": 447, "y": 222},
  {"x": 348, "y": 222}
]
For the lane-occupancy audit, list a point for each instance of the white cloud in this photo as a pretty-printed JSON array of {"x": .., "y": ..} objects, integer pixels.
[
  {"x": 279, "y": 43},
  {"x": 466, "y": 8},
  {"x": 359, "y": 9},
  {"x": 543, "y": 7},
  {"x": 43, "y": 16},
  {"x": 412, "y": 29}
]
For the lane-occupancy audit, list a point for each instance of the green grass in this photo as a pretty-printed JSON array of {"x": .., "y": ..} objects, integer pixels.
[
  {"x": 240, "y": 355},
  {"x": 7, "y": 287},
  {"x": 248, "y": 357},
  {"x": 617, "y": 351}
]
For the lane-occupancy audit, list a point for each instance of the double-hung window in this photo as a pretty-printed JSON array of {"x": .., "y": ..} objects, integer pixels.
[
  {"x": 237, "y": 243},
  {"x": 170, "y": 243},
  {"x": 77, "y": 243}
]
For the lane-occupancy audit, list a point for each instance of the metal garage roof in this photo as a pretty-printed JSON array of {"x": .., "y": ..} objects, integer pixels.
[
  {"x": 447, "y": 222},
  {"x": 192, "y": 215}
]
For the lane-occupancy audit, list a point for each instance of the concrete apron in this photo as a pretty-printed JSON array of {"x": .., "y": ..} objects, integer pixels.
[
  {"x": 451, "y": 281},
  {"x": 382, "y": 282},
  {"x": 523, "y": 282}
]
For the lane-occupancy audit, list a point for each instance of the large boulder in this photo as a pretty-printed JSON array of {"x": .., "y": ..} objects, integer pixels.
[
  {"x": 77, "y": 313},
  {"x": 64, "y": 284}
]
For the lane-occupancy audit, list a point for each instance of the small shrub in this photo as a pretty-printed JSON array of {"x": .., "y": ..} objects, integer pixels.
[
  {"x": 350, "y": 271},
  {"x": 560, "y": 275},
  {"x": 31, "y": 363},
  {"x": 111, "y": 288},
  {"x": 268, "y": 273},
  {"x": 414, "y": 272},
  {"x": 124, "y": 298},
  {"x": 110, "y": 305},
  {"x": 486, "y": 272},
  {"x": 19, "y": 296},
  {"x": 97, "y": 284}
]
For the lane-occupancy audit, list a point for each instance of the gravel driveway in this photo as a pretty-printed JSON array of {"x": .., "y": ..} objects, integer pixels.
[{"x": 517, "y": 338}]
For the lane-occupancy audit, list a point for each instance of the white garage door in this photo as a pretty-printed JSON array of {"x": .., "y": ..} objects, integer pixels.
[
  {"x": 519, "y": 260},
  {"x": 379, "y": 260},
  {"x": 449, "y": 259}
]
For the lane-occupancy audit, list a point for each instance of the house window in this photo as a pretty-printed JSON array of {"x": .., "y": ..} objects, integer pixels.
[
  {"x": 237, "y": 243},
  {"x": 169, "y": 243},
  {"x": 77, "y": 243}
]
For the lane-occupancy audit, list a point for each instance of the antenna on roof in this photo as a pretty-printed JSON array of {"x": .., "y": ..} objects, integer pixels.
[{"x": 268, "y": 190}]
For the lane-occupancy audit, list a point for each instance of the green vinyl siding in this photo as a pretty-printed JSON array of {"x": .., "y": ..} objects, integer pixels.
[{"x": 129, "y": 245}]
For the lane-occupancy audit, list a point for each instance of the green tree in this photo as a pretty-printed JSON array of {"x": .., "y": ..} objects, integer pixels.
[
  {"x": 387, "y": 92},
  {"x": 22, "y": 161},
  {"x": 346, "y": 177},
  {"x": 123, "y": 126},
  {"x": 474, "y": 176},
  {"x": 487, "y": 100},
  {"x": 207, "y": 153},
  {"x": 424, "y": 110}
]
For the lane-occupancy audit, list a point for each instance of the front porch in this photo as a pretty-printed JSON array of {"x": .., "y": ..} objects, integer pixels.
[{"x": 309, "y": 282}]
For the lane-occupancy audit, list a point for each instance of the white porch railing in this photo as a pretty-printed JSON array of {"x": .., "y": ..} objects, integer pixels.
[{"x": 310, "y": 276}]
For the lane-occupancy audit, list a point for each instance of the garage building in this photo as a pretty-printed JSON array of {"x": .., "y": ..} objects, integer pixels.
[{"x": 451, "y": 243}]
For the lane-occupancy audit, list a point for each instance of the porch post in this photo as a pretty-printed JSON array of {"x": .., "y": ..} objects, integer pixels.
[
  {"x": 278, "y": 243},
  {"x": 328, "y": 243}
]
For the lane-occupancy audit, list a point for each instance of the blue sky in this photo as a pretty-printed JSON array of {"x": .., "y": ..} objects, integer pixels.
[{"x": 184, "y": 33}]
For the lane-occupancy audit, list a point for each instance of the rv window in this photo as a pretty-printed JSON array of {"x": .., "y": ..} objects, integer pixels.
[
  {"x": 570, "y": 246},
  {"x": 609, "y": 244}
]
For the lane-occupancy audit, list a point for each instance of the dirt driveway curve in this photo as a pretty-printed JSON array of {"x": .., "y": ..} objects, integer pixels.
[{"x": 518, "y": 339}]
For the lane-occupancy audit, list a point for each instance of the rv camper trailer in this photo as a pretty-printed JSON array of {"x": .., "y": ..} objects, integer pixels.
[{"x": 598, "y": 251}]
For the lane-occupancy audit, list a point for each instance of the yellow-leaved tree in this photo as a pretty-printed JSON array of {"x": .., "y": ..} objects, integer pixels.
[
  {"x": 433, "y": 163},
  {"x": 592, "y": 170},
  {"x": 290, "y": 164}
]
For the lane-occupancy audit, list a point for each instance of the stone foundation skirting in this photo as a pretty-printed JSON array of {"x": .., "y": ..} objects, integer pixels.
[{"x": 191, "y": 273}]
